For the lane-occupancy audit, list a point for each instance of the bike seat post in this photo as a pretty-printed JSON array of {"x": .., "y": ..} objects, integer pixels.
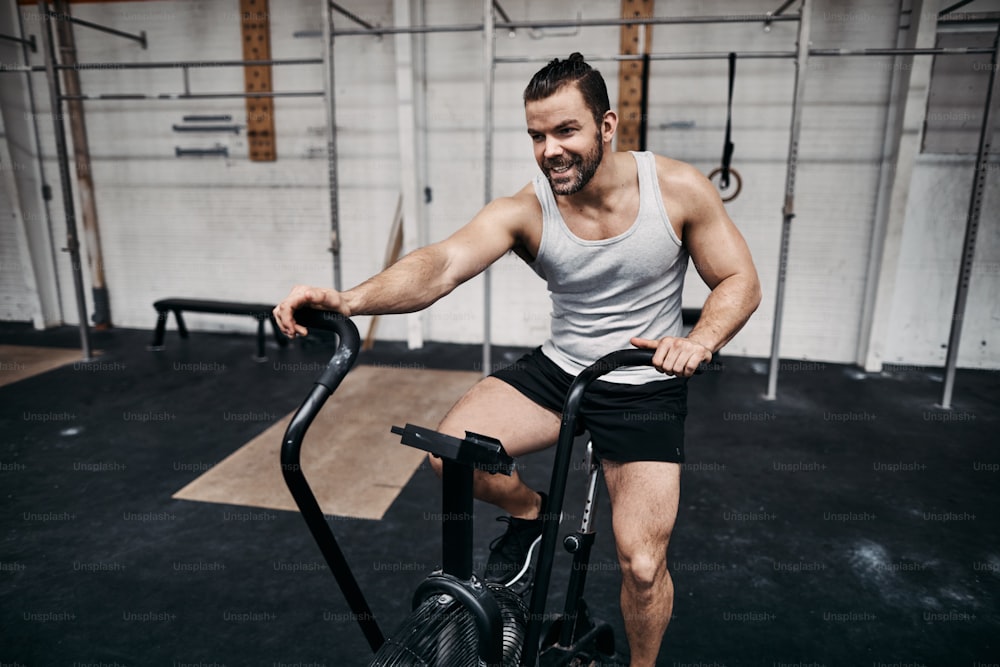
[
  {"x": 459, "y": 460},
  {"x": 456, "y": 528}
]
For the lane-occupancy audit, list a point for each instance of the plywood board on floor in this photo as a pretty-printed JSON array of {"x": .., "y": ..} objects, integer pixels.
[
  {"x": 18, "y": 362},
  {"x": 355, "y": 465}
]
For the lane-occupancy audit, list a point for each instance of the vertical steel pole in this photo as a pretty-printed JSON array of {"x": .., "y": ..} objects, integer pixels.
[
  {"x": 84, "y": 169},
  {"x": 72, "y": 240},
  {"x": 331, "y": 142},
  {"x": 971, "y": 228},
  {"x": 801, "y": 63},
  {"x": 420, "y": 111},
  {"x": 489, "y": 64}
]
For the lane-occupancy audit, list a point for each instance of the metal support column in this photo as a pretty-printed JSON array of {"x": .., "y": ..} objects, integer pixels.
[
  {"x": 801, "y": 63},
  {"x": 84, "y": 170},
  {"x": 72, "y": 240},
  {"x": 971, "y": 227},
  {"x": 331, "y": 142},
  {"x": 489, "y": 64},
  {"x": 406, "y": 105}
]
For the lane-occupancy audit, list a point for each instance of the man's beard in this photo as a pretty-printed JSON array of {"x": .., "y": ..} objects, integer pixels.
[{"x": 585, "y": 167}]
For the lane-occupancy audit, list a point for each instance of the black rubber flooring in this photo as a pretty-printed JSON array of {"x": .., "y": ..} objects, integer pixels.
[{"x": 850, "y": 522}]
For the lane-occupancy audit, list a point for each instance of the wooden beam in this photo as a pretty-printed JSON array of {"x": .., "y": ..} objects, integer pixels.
[
  {"x": 256, "y": 32},
  {"x": 630, "y": 73}
]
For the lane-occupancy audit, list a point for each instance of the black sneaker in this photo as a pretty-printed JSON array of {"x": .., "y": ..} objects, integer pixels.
[
  {"x": 616, "y": 660},
  {"x": 510, "y": 554}
]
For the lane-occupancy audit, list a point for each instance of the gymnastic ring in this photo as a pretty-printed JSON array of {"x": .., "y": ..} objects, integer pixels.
[{"x": 739, "y": 182}]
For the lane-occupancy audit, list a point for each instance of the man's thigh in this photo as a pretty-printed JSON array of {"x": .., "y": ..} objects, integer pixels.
[
  {"x": 644, "y": 497},
  {"x": 494, "y": 408}
]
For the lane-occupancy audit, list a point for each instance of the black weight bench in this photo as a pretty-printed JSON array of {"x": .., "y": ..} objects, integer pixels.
[{"x": 259, "y": 311}]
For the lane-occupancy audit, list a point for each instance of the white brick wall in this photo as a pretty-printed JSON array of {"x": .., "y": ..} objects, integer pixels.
[{"x": 235, "y": 229}]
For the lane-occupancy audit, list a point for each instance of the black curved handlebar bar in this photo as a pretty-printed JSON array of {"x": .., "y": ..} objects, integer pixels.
[
  {"x": 348, "y": 345},
  {"x": 343, "y": 360}
]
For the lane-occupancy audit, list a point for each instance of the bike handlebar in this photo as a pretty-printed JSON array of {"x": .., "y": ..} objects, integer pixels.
[
  {"x": 343, "y": 359},
  {"x": 347, "y": 347}
]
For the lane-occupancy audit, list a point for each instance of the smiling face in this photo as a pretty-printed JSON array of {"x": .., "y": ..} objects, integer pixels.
[{"x": 568, "y": 144}]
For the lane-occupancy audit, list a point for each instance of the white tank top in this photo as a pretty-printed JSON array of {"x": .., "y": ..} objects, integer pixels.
[{"x": 605, "y": 292}]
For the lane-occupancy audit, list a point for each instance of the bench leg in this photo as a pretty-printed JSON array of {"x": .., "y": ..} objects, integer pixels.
[
  {"x": 278, "y": 336},
  {"x": 261, "y": 355},
  {"x": 181, "y": 329},
  {"x": 161, "y": 327}
]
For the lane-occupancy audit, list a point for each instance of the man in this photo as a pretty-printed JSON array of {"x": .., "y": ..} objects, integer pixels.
[{"x": 611, "y": 234}]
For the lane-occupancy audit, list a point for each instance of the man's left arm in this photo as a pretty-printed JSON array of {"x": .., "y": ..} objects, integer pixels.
[{"x": 723, "y": 260}]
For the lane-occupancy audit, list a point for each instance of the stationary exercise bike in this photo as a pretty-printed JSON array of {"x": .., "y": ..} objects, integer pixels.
[{"x": 457, "y": 619}]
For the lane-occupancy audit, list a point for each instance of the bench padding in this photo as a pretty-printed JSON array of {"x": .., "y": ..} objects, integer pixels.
[{"x": 260, "y": 311}]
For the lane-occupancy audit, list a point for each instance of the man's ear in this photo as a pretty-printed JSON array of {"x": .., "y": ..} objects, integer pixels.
[{"x": 609, "y": 125}]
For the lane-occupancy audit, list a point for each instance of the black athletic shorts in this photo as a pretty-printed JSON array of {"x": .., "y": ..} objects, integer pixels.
[{"x": 626, "y": 422}]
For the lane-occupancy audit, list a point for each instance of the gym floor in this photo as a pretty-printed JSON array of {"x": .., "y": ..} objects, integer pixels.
[{"x": 850, "y": 522}]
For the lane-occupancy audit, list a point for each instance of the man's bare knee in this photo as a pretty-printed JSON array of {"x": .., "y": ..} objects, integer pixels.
[{"x": 643, "y": 570}]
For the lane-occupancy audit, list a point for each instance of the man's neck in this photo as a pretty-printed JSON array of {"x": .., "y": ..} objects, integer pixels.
[{"x": 606, "y": 187}]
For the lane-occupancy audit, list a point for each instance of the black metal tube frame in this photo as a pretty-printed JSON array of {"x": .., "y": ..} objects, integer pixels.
[
  {"x": 30, "y": 42},
  {"x": 351, "y": 15},
  {"x": 348, "y": 346},
  {"x": 456, "y": 524},
  {"x": 557, "y": 487}
]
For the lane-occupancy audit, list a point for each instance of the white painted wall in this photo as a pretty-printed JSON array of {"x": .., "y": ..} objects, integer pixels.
[
  {"x": 17, "y": 300},
  {"x": 931, "y": 256},
  {"x": 234, "y": 229},
  {"x": 27, "y": 269}
]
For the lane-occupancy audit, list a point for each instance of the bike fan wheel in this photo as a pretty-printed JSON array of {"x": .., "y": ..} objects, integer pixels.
[{"x": 441, "y": 633}]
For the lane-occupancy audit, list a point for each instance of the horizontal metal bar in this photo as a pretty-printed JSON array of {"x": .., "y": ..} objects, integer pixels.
[
  {"x": 195, "y": 64},
  {"x": 206, "y": 118},
  {"x": 717, "y": 55},
  {"x": 959, "y": 51},
  {"x": 649, "y": 20},
  {"x": 572, "y": 23},
  {"x": 749, "y": 55},
  {"x": 207, "y": 128},
  {"x": 976, "y": 18},
  {"x": 141, "y": 37},
  {"x": 30, "y": 42},
  {"x": 218, "y": 150},
  {"x": 167, "y": 65},
  {"x": 406, "y": 30},
  {"x": 183, "y": 96},
  {"x": 532, "y": 59}
]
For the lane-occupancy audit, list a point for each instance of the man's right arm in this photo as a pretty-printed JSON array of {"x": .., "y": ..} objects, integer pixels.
[{"x": 422, "y": 277}]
